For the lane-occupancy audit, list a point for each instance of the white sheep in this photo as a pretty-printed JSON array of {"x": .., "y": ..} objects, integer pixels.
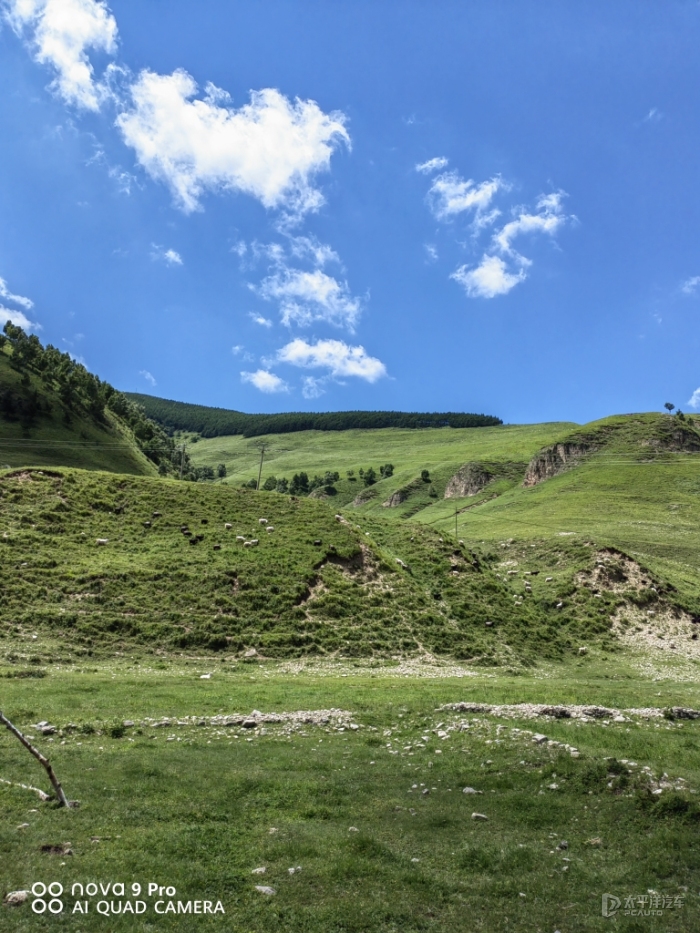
[
  {"x": 102, "y": 541},
  {"x": 228, "y": 526},
  {"x": 240, "y": 537},
  {"x": 262, "y": 521}
]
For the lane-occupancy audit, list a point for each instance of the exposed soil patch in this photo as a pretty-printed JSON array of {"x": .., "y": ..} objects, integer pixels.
[{"x": 614, "y": 572}]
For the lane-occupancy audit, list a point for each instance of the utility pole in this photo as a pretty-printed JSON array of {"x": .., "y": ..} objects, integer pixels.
[
  {"x": 182, "y": 458},
  {"x": 262, "y": 454}
]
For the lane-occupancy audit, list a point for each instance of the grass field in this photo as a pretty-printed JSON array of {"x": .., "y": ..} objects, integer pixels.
[
  {"x": 147, "y": 654},
  {"x": 199, "y": 805}
]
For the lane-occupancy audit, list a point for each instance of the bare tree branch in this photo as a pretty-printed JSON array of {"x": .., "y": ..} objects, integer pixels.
[{"x": 44, "y": 762}]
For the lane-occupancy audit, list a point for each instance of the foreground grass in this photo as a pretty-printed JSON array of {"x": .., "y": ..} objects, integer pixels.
[{"x": 199, "y": 807}]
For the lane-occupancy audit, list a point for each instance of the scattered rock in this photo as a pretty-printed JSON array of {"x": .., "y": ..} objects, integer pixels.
[
  {"x": 479, "y": 816},
  {"x": 264, "y": 889},
  {"x": 470, "y": 790},
  {"x": 353, "y": 829},
  {"x": 539, "y": 738},
  {"x": 259, "y": 871},
  {"x": 15, "y": 898},
  {"x": 595, "y": 841},
  {"x": 563, "y": 845},
  {"x": 250, "y": 653},
  {"x": 205, "y": 676}
]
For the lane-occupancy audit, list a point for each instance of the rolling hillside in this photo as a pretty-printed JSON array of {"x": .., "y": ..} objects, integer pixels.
[{"x": 49, "y": 440}]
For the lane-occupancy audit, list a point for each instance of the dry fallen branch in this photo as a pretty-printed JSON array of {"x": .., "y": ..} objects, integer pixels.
[{"x": 44, "y": 762}]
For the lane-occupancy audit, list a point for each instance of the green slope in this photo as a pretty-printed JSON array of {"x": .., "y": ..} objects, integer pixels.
[
  {"x": 314, "y": 585},
  {"x": 50, "y": 441},
  {"x": 440, "y": 450}
]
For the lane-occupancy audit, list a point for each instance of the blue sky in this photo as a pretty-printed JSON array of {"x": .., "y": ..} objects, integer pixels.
[{"x": 317, "y": 205}]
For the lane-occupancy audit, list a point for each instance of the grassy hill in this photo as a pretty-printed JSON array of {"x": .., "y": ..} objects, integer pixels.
[
  {"x": 169, "y": 573},
  {"x": 49, "y": 440},
  {"x": 629, "y": 482}
]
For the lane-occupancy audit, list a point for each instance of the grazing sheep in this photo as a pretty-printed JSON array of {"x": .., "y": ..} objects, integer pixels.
[
  {"x": 146, "y": 524},
  {"x": 262, "y": 521},
  {"x": 217, "y": 547},
  {"x": 102, "y": 541},
  {"x": 156, "y": 515},
  {"x": 270, "y": 528},
  {"x": 240, "y": 537},
  {"x": 228, "y": 526},
  {"x": 247, "y": 544}
]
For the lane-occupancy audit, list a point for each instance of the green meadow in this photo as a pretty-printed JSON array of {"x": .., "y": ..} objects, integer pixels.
[{"x": 219, "y": 707}]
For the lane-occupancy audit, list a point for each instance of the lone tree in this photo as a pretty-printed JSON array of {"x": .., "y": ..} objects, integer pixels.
[
  {"x": 44, "y": 762},
  {"x": 669, "y": 406}
]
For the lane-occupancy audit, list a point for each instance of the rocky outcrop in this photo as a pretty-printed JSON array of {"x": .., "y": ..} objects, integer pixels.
[
  {"x": 469, "y": 480},
  {"x": 554, "y": 460},
  {"x": 396, "y": 498}
]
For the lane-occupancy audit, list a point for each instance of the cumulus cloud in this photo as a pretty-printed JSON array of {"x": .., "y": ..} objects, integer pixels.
[
  {"x": 432, "y": 165},
  {"x": 271, "y": 148},
  {"x": 548, "y": 219},
  {"x": 60, "y": 34},
  {"x": 259, "y": 319},
  {"x": 265, "y": 381},
  {"x": 493, "y": 276},
  {"x": 689, "y": 287},
  {"x": 305, "y": 297},
  {"x": 18, "y": 318},
  {"x": 148, "y": 376},
  {"x": 694, "y": 400},
  {"x": 334, "y": 355},
  {"x": 20, "y": 300},
  {"x": 169, "y": 256},
  {"x": 488, "y": 279},
  {"x": 450, "y": 195}
]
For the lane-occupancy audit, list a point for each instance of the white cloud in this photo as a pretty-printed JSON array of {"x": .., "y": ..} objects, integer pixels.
[
  {"x": 653, "y": 116},
  {"x": 265, "y": 381},
  {"x": 548, "y": 220},
  {"x": 334, "y": 355},
  {"x": 492, "y": 276},
  {"x": 450, "y": 195},
  {"x": 60, "y": 34},
  {"x": 259, "y": 319},
  {"x": 148, "y": 376},
  {"x": 169, "y": 256},
  {"x": 18, "y": 318},
  {"x": 431, "y": 250},
  {"x": 308, "y": 247},
  {"x": 312, "y": 388},
  {"x": 694, "y": 399},
  {"x": 240, "y": 248},
  {"x": 488, "y": 279},
  {"x": 270, "y": 148},
  {"x": 20, "y": 300},
  {"x": 432, "y": 165},
  {"x": 689, "y": 287},
  {"x": 305, "y": 297}
]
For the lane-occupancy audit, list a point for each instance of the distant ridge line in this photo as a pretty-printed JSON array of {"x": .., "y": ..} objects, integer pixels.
[{"x": 216, "y": 422}]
